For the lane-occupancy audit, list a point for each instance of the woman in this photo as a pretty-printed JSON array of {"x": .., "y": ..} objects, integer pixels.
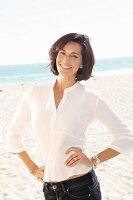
[{"x": 60, "y": 113}]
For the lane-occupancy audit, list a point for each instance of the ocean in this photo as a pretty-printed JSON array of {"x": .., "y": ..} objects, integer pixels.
[{"x": 40, "y": 72}]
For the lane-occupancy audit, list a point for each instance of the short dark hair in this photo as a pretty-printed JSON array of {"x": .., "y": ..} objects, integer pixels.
[{"x": 88, "y": 59}]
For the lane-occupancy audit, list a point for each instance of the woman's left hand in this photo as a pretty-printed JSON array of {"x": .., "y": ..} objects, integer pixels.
[{"x": 77, "y": 158}]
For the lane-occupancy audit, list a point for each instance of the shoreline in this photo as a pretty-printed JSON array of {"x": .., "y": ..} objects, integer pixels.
[{"x": 117, "y": 72}]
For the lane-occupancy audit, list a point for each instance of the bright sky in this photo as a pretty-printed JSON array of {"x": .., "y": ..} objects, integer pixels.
[{"x": 29, "y": 27}]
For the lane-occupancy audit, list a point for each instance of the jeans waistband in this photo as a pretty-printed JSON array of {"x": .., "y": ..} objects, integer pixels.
[{"x": 88, "y": 178}]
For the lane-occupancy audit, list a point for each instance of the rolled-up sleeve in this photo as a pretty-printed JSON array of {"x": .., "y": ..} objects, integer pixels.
[
  {"x": 123, "y": 138},
  {"x": 18, "y": 126}
]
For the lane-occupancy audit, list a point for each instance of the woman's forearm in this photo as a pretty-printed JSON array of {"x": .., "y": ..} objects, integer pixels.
[
  {"x": 107, "y": 154},
  {"x": 27, "y": 161}
]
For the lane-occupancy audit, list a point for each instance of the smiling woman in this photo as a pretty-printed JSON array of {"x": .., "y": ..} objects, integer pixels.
[
  {"x": 60, "y": 114},
  {"x": 77, "y": 49}
]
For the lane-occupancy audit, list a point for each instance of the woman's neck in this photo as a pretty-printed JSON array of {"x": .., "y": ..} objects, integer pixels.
[{"x": 62, "y": 83}]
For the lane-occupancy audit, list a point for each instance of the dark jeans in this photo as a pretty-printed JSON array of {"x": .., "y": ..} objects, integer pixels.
[{"x": 85, "y": 187}]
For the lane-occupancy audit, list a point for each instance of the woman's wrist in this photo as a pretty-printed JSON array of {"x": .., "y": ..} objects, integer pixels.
[{"x": 95, "y": 161}]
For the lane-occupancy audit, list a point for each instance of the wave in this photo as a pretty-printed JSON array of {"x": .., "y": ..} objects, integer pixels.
[{"x": 123, "y": 71}]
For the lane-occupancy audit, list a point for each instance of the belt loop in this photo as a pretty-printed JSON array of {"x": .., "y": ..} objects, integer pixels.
[
  {"x": 63, "y": 187},
  {"x": 46, "y": 185}
]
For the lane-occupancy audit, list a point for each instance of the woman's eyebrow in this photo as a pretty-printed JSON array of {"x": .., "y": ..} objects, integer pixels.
[{"x": 71, "y": 52}]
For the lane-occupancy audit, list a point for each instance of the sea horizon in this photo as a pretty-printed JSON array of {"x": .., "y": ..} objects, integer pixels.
[{"x": 40, "y": 72}]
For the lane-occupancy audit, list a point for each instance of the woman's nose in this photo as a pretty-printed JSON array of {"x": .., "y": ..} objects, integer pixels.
[{"x": 66, "y": 59}]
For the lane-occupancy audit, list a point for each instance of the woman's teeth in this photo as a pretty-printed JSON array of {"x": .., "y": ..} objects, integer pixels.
[{"x": 64, "y": 67}]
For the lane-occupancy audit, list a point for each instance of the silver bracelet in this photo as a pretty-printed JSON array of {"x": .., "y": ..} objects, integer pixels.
[{"x": 97, "y": 161}]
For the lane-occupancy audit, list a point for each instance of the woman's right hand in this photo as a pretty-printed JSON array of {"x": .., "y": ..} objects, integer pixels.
[{"x": 38, "y": 172}]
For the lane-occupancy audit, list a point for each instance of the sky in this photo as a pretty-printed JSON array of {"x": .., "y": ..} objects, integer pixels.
[{"x": 28, "y": 28}]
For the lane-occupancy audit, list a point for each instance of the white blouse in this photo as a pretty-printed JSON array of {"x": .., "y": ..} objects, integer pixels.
[{"x": 58, "y": 129}]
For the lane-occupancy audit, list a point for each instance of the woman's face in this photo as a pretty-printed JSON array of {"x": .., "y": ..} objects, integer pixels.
[{"x": 69, "y": 59}]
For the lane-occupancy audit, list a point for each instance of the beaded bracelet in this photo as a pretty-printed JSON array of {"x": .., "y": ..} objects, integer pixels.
[{"x": 97, "y": 161}]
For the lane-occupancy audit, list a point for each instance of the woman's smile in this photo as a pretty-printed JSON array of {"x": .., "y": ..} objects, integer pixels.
[
  {"x": 65, "y": 67},
  {"x": 69, "y": 59}
]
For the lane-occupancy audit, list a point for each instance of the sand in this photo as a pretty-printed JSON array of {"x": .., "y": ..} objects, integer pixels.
[{"x": 115, "y": 176}]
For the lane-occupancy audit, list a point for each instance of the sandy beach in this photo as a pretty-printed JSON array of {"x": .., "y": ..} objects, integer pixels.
[{"x": 115, "y": 176}]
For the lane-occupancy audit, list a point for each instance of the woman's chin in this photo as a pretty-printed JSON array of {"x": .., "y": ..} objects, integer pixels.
[{"x": 65, "y": 71}]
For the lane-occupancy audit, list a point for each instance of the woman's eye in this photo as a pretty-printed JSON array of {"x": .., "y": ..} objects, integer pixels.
[{"x": 73, "y": 56}]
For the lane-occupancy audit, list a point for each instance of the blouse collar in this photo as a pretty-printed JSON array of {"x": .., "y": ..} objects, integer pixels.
[{"x": 75, "y": 85}]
